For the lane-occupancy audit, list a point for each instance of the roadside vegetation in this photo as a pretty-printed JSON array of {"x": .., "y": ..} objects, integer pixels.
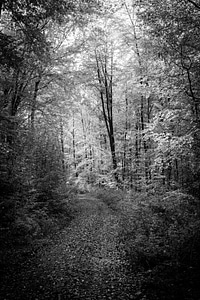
[
  {"x": 100, "y": 149},
  {"x": 160, "y": 235}
]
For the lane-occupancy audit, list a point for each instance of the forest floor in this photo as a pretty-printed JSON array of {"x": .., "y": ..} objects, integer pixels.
[{"x": 84, "y": 261}]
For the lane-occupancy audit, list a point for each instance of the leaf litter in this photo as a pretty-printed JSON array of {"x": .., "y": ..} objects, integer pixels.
[{"x": 84, "y": 261}]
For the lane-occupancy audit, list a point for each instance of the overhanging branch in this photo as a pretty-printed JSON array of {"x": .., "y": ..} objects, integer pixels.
[{"x": 194, "y": 3}]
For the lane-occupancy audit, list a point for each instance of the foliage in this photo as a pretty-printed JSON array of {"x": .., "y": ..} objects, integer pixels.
[
  {"x": 33, "y": 166},
  {"x": 40, "y": 216},
  {"x": 159, "y": 233},
  {"x": 172, "y": 37},
  {"x": 110, "y": 196},
  {"x": 109, "y": 106}
]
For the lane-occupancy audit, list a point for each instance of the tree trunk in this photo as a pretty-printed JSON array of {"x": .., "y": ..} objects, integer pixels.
[
  {"x": 106, "y": 95},
  {"x": 34, "y": 101},
  {"x": 74, "y": 146},
  {"x": 1, "y": 6},
  {"x": 124, "y": 161},
  {"x": 62, "y": 144}
]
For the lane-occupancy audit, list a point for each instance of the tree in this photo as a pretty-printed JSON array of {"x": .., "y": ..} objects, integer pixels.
[
  {"x": 105, "y": 78},
  {"x": 173, "y": 30},
  {"x": 32, "y": 145}
]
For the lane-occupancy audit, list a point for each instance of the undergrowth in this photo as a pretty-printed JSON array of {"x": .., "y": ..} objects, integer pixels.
[
  {"x": 161, "y": 238},
  {"x": 110, "y": 196},
  {"x": 159, "y": 234},
  {"x": 31, "y": 216}
]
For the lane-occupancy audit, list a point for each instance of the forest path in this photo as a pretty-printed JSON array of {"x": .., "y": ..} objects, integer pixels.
[{"x": 84, "y": 262}]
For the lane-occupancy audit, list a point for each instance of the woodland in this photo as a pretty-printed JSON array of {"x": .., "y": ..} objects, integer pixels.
[{"x": 100, "y": 149}]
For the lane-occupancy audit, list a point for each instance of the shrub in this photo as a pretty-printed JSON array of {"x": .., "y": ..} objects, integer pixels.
[
  {"x": 110, "y": 196},
  {"x": 161, "y": 238},
  {"x": 156, "y": 228}
]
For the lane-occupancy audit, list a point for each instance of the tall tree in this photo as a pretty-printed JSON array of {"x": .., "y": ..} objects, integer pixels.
[
  {"x": 174, "y": 32},
  {"x": 105, "y": 78}
]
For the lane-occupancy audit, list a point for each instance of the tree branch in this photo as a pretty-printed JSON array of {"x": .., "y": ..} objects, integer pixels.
[{"x": 194, "y": 3}]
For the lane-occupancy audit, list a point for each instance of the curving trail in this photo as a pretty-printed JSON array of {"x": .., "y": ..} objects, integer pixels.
[{"x": 86, "y": 260}]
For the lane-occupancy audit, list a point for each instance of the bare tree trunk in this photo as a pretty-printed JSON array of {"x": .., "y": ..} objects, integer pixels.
[
  {"x": 34, "y": 101},
  {"x": 74, "y": 145},
  {"x": 137, "y": 156},
  {"x": 106, "y": 95},
  {"x": 1, "y": 6},
  {"x": 124, "y": 161},
  {"x": 142, "y": 99},
  {"x": 85, "y": 137},
  {"x": 62, "y": 144}
]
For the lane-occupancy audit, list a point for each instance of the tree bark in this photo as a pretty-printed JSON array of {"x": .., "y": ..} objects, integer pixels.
[
  {"x": 62, "y": 144},
  {"x": 1, "y": 6},
  {"x": 124, "y": 171},
  {"x": 194, "y": 4},
  {"x": 74, "y": 145},
  {"x": 106, "y": 95},
  {"x": 33, "y": 107}
]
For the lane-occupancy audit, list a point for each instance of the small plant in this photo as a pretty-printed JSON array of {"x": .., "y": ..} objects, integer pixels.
[
  {"x": 110, "y": 196},
  {"x": 161, "y": 238}
]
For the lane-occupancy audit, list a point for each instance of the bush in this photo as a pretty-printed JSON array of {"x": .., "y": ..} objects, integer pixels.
[
  {"x": 158, "y": 226},
  {"x": 26, "y": 217},
  {"x": 25, "y": 225},
  {"x": 161, "y": 237},
  {"x": 110, "y": 196}
]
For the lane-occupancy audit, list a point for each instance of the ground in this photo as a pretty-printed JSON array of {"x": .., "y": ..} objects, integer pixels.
[{"x": 83, "y": 261}]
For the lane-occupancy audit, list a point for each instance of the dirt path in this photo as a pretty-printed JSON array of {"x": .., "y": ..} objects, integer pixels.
[{"x": 84, "y": 262}]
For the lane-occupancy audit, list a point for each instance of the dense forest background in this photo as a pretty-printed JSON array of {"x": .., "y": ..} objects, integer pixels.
[{"x": 104, "y": 98}]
